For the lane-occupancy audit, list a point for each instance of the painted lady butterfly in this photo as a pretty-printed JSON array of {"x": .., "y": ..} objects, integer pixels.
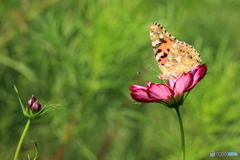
[{"x": 174, "y": 57}]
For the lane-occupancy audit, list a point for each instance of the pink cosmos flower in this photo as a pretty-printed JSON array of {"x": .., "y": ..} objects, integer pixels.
[{"x": 171, "y": 94}]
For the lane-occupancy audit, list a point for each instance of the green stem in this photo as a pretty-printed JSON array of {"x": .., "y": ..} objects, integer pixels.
[
  {"x": 21, "y": 139},
  {"x": 182, "y": 131}
]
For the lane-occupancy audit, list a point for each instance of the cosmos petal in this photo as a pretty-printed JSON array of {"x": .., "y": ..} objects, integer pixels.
[{"x": 159, "y": 91}]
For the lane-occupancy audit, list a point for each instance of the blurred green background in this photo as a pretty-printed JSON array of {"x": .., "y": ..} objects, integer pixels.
[{"x": 84, "y": 55}]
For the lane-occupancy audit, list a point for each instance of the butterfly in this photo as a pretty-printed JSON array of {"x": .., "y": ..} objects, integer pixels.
[{"x": 174, "y": 57}]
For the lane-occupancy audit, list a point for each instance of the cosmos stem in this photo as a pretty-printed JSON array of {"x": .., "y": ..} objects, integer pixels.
[
  {"x": 21, "y": 139},
  {"x": 182, "y": 131}
]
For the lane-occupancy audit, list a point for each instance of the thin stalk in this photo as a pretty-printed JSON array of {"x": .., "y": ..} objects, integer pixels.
[
  {"x": 21, "y": 139},
  {"x": 182, "y": 131}
]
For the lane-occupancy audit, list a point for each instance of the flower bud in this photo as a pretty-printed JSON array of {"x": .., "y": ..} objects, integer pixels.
[
  {"x": 35, "y": 110},
  {"x": 33, "y": 105}
]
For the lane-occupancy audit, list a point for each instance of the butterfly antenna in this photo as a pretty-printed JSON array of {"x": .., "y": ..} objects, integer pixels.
[
  {"x": 157, "y": 75},
  {"x": 153, "y": 69},
  {"x": 149, "y": 73}
]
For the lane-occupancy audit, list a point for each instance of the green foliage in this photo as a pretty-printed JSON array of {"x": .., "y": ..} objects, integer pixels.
[{"x": 84, "y": 55}]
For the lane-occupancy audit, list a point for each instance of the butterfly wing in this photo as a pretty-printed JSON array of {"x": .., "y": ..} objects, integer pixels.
[{"x": 174, "y": 57}]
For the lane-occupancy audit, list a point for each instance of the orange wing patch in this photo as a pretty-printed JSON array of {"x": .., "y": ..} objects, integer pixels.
[{"x": 163, "y": 50}]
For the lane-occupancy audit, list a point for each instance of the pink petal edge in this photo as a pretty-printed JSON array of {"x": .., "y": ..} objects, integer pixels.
[
  {"x": 183, "y": 83},
  {"x": 159, "y": 91}
]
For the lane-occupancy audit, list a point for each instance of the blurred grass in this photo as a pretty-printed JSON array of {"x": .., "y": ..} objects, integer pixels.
[{"x": 85, "y": 54}]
